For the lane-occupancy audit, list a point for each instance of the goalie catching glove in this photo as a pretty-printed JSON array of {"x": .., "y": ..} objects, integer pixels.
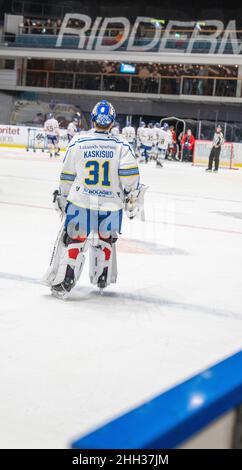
[{"x": 134, "y": 202}]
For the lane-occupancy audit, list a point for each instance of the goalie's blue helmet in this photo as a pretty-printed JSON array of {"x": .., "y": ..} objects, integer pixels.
[
  {"x": 103, "y": 114},
  {"x": 165, "y": 126}
]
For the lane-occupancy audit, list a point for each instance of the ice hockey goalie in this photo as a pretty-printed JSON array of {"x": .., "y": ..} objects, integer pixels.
[{"x": 99, "y": 179}]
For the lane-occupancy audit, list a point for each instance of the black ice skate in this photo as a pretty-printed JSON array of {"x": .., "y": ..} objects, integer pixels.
[
  {"x": 159, "y": 164},
  {"x": 62, "y": 290},
  {"x": 102, "y": 280}
]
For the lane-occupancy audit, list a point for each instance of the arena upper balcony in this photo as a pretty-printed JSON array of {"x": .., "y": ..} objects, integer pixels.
[
  {"x": 194, "y": 59},
  {"x": 145, "y": 39}
]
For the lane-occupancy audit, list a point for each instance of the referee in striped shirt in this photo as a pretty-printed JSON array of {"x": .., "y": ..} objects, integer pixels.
[{"x": 218, "y": 141}]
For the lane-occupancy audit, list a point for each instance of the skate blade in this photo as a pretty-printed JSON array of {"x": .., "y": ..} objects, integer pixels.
[{"x": 60, "y": 295}]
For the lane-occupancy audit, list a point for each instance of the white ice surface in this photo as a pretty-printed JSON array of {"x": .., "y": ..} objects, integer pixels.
[{"x": 66, "y": 367}]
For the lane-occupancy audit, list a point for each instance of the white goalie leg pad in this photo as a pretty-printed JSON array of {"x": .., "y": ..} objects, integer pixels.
[
  {"x": 55, "y": 258},
  {"x": 63, "y": 255},
  {"x": 75, "y": 261},
  {"x": 102, "y": 255},
  {"x": 114, "y": 272}
]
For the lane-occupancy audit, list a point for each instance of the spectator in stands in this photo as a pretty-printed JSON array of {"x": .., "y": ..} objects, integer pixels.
[
  {"x": 37, "y": 27},
  {"x": 108, "y": 68},
  {"x": 27, "y": 26},
  {"x": 58, "y": 26},
  {"x": 49, "y": 27},
  {"x": 188, "y": 82},
  {"x": 188, "y": 142},
  {"x": 200, "y": 83},
  {"x": 119, "y": 36},
  {"x": 144, "y": 72},
  {"x": 147, "y": 77},
  {"x": 76, "y": 24}
]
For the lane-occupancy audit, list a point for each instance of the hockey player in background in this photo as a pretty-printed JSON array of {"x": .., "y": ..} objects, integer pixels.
[
  {"x": 145, "y": 141},
  {"x": 99, "y": 179},
  {"x": 72, "y": 129},
  {"x": 52, "y": 132},
  {"x": 128, "y": 132},
  {"x": 138, "y": 141},
  {"x": 115, "y": 130},
  {"x": 164, "y": 141},
  {"x": 155, "y": 139}
]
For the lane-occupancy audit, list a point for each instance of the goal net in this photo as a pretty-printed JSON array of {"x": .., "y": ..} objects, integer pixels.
[
  {"x": 202, "y": 150},
  {"x": 36, "y": 140}
]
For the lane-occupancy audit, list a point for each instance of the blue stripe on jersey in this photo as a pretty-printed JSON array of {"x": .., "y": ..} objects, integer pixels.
[
  {"x": 128, "y": 171},
  {"x": 67, "y": 177}
]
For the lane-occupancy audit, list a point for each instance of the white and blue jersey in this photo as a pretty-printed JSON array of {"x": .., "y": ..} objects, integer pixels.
[
  {"x": 145, "y": 137},
  {"x": 164, "y": 139},
  {"x": 128, "y": 133},
  {"x": 97, "y": 168},
  {"x": 71, "y": 131},
  {"x": 52, "y": 130},
  {"x": 115, "y": 131}
]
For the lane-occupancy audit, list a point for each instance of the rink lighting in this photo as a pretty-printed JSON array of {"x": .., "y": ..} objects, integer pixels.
[{"x": 157, "y": 22}]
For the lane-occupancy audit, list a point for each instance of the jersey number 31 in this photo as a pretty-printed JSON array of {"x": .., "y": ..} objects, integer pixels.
[{"x": 98, "y": 173}]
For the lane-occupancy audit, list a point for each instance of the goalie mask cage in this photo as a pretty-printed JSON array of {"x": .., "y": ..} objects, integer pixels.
[{"x": 202, "y": 150}]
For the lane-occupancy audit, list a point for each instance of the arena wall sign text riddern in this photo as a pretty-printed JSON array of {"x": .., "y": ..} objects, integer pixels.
[{"x": 93, "y": 35}]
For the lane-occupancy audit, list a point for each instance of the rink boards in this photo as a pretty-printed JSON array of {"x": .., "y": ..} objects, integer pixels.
[
  {"x": 22, "y": 136},
  {"x": 230, "y": 156},
  {"x": 204, "y": 412}
]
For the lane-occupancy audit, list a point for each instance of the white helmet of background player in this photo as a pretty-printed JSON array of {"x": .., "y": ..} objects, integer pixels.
[
  {"x": 157, "y": 124},
  {"x": 50, "y": 116},
  {"x": 142, "y": 124},
  {"x": 165, "y": 126}
]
